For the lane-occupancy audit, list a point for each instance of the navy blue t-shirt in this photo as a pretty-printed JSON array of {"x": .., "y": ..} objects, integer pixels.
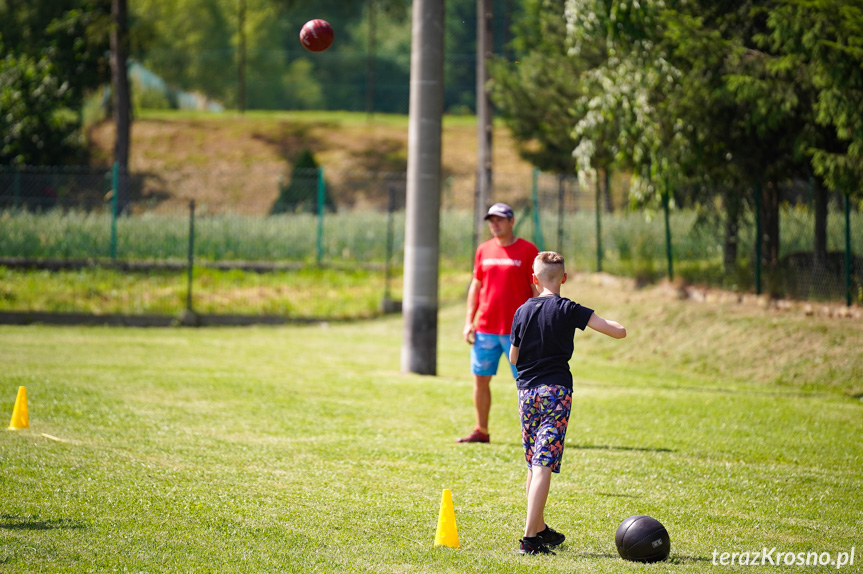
[{"x": 542, "y": 330}]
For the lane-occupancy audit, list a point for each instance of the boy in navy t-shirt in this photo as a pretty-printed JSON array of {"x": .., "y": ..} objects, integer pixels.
[{"x": 541, "y": 347}]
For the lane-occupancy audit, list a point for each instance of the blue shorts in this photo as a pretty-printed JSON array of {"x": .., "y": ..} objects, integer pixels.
[
  {"x": 544, "y": 414},
  {"x": 485, "y": 354}
]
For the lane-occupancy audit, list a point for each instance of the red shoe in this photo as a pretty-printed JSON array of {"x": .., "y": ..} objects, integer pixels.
[{"x": 475, "y": 436}]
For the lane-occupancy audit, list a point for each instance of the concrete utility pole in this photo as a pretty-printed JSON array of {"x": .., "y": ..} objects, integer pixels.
[
  {"x": 422, "y": 218},
  {"x": 484, "y": 48}
]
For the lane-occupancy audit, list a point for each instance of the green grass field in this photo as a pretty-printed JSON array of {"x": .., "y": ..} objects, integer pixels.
[
  {"x": 303, "y": 448},
  {"x": 307, "y": 293}
]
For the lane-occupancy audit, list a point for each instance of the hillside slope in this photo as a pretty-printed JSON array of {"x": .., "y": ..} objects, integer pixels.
[{"x": 250, "y": 151}]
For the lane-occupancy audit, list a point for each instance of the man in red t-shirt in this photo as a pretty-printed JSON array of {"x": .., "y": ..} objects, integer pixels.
[{"x": 502, "y": 281}]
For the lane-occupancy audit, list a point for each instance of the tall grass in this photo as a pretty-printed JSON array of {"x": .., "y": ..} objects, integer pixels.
[
  {"x": 631, "y": 244},
  {"x": 359, "y": 236},
  {"x": 630, "y": 240}
]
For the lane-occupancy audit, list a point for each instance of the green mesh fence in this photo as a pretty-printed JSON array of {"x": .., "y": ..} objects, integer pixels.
[{"x": 63, "y": 249}]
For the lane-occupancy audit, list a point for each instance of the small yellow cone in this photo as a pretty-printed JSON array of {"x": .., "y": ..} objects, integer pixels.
[
  {"x": 447, "y": 533},
  {"x": 20, "y": 418}
]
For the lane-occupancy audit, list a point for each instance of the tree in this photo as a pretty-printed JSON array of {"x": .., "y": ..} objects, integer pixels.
[
  {"x": 194, "y": 45},
  {"x": 52, "y": 52},
  {"x": 541, "y": 92},
  {"x": 37, "y": 125},
  {"x": 72, "y": 34},
  {"x": 534, "y": 94},
  {"x": 301, "y": 194},
  {"x": 188, "y": 43},
  {"x": 825, "y": 37},
  {"x": 696, "y": 99}
]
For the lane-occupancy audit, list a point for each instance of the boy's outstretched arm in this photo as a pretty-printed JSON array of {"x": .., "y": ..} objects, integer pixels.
[{"x": 610, "y": 328}]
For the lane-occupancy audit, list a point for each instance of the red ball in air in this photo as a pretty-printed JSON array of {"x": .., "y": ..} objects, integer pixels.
[{"x": 316, "y": 35}]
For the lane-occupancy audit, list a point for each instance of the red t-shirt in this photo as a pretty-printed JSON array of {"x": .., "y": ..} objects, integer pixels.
[{"x": 505, "y": 273}]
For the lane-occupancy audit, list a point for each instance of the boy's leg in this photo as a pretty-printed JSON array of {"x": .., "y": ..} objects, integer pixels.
[
  {"x": 538, "y": 476},
  {"x": 538, "y": 484},
  {"x": 545, "y": 417}
]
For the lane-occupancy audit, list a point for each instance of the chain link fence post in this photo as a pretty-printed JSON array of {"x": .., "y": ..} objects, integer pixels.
[
  {"x": 322, "y": 193},
  {"x": 16, "y": 189},
  {"x": 668, "y": 249},
  {"x": 599, "y": 225},
  {"x": 389, "y": 305},
  {"x": 561, "y": 180},
  {"x": 848, "y": 249},
  {"x": 190, "y": 257},
  {"x": 758, "y": 238}
]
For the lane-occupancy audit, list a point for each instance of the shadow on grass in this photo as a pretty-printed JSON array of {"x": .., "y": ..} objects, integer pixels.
[
  {"x": 673, "y": 559},
  {"x": 610, "y": 447},
  {"x": 732, "y": 390},
  {"x": 509, "y": 444},
  {"x": 687, "y": 559},
  {"x": 598, "y": 555},
  {"x": 11, "y": 522}
]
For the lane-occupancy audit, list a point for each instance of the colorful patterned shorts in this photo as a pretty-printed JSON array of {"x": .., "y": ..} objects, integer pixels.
[{"x": 544, "y": 414}]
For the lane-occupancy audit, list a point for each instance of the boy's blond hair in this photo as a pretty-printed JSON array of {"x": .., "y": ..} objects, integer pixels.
[{"x": 549, "y": 267}]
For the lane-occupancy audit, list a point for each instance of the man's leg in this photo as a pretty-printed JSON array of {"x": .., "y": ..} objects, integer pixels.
[
  {"x": 484, "y": 357},
  {"x": 482, "y": 401},
  {"x": 538, "y": 483}
]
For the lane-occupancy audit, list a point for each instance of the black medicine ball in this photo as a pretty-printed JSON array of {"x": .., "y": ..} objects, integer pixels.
[{"x": 642, "y": 539}]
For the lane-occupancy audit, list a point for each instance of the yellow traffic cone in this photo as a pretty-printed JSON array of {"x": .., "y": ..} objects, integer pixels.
[
  {"x": 20, "y": 418},
  {"x": 447, "y": 533}
]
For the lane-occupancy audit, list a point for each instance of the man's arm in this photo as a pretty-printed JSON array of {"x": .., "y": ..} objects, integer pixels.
[
  {"x": 472, "y": 305},
  {"x": 513, "y": 354},
  {"x": 610, "y": 328}
]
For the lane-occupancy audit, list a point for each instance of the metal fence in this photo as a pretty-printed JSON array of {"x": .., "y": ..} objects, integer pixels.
[{"x": 233, "y": 242}]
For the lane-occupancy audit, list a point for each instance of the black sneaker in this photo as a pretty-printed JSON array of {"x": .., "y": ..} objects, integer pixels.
[
  {"x": 550, "y": 536},
  {"x": 533, "y": 546}
]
